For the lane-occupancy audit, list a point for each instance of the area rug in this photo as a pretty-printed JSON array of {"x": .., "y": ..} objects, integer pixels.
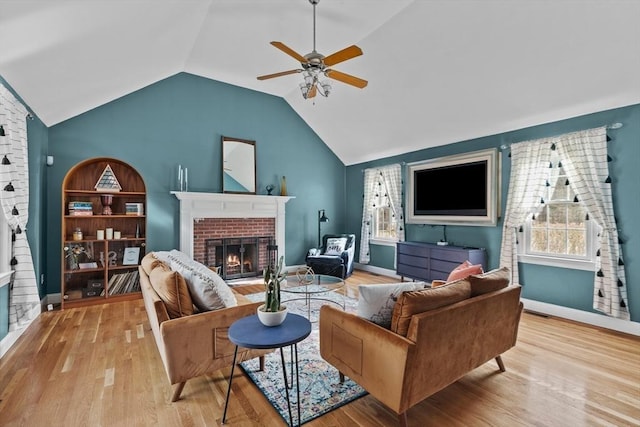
[{"x": 320, "y": 389}]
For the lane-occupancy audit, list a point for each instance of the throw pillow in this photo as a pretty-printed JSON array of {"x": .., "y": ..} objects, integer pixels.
[
  {"x": 335, "y": 245},
  {"x": 208, "y": 290},
  {"x": 376, "y": 302},
  {"x": 149, "y": 262},
  {"x": 410, "y": 303},
  {"x": 463, "y": 270},
  {"x": 172, "y": 290},
  {"x": 490, "y": 281}
]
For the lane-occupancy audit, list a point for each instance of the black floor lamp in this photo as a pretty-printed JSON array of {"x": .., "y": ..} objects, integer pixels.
[{"x": 321, "y": 218}]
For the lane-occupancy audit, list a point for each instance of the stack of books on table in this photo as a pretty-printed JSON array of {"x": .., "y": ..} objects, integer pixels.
[
  {"x": 80, "y": 208},
  {"x": 134, "y": 209}
]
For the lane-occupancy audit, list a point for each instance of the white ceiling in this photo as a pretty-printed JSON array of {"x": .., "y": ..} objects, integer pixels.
[{"x": 439, "y": 71}]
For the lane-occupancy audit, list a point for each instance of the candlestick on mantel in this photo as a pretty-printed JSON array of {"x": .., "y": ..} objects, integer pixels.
[{"x": 186, "y": 179}]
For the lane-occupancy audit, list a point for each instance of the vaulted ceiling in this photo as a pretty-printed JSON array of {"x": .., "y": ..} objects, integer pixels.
[{"x": 439, "y": 71}]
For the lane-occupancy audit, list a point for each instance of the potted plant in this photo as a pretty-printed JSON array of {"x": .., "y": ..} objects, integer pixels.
[
  {"x": 272, "y": 313},
  {"x": 73, "y": 254}
]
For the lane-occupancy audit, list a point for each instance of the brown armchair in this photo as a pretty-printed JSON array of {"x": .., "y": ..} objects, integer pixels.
[
  {"x": 441, "y": 346},
  {"x": 196, "y": 344}
]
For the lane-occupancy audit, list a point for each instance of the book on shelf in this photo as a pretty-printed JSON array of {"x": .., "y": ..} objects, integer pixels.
[
  {"x": 87, "y": 265},
  {"x": 78, "y": 208},
  {"x": 136, "y": 209},
  {"x": 123, "y": 283},
  {"x": 80, "y": 213},
  {"x": 80, "y": 204}
]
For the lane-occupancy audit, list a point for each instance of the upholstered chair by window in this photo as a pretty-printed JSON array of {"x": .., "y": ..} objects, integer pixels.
[{"x": 334, "y": 257}]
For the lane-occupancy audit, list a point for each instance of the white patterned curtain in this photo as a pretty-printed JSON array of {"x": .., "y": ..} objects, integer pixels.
[
  {"x": 585, "y": 161},
  {"x": 529, "y": 166},
  {"x": 587, "y": 167},
  {"x": 382, "y": 186},
  {"x": 24, "y": 301}
]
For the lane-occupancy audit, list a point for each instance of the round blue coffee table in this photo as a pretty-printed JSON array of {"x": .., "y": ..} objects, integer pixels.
[{"x": 248, "y": 332}]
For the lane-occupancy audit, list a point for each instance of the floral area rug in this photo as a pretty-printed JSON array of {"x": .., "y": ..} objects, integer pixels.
[{"x": 320, "y": 389}]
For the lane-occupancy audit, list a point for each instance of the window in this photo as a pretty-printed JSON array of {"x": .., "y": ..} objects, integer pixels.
[
  {"x": 382, "y": 211},
  {"x": 559, "y": 234},
  {"x": 384, "y": 224}
]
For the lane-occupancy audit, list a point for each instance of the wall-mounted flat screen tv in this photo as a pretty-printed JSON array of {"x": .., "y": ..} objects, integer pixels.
[{"x": 460, "y": 189}]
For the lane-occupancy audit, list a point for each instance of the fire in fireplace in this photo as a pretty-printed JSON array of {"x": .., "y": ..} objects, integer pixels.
[{"x": 238, "y": 257}]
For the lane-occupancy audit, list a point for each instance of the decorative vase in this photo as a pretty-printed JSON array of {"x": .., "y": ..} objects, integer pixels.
[
  {"x": 272, "y": 318},
  {"x": 106, "y": 200},
  {"x": 283, "y": 186}
]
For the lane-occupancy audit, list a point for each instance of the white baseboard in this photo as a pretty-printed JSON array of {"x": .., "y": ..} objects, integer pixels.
[
  {"x": 11, "y": 338},
  {"x": 52, "y": 299},
  {"x": 376, "y": 270},
  {"x": 291, "y": 269},
  {"x": 593, "y": 319}
]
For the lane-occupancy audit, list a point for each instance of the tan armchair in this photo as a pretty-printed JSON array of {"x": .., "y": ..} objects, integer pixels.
[
  {"x": 197, "y": 344},
  {"x": 441, "y": 346}
]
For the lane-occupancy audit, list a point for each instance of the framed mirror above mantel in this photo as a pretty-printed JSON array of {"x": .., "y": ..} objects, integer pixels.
[{"x": 238, "y": 166}]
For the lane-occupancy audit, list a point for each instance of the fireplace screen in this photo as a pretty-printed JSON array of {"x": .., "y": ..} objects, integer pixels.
[{"x": 239, "y": 257}]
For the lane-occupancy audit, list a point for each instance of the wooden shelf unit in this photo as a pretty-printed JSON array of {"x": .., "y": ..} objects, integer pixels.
[
  {"x": 109, "y": 280},
  {"x": 429, "y": 261}
]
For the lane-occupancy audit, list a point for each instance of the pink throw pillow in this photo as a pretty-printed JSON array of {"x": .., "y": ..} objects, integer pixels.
[
  {"x": 464, "y": 270},
  {"x": 458, "y": 268}
]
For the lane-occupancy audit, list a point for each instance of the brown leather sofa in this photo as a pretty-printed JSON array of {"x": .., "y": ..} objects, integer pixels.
[
  {"x": 441, "y": 345},
  {"x": 195, "y": 344}
]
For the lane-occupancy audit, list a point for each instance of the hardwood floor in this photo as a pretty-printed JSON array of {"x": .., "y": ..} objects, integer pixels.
[{"x": 99, "y": 366}]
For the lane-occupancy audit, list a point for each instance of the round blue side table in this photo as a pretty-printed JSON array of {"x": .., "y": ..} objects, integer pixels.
[{"x": 248, "y": 332}]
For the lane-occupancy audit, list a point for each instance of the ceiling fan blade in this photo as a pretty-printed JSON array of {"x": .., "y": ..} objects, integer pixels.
[
  {"x": 286, "y": 49},
  {"x": 342, "y": 55},
  {"x": 346, "y": 78},
  {"x": 282, "y": 73}
]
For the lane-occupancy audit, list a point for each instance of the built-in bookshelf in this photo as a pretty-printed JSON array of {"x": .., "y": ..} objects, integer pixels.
[{"x": 103, "y": 232}]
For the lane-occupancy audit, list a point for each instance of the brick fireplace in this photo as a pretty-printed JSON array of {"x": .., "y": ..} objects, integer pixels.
[
  {"x": 236, "y": 247},
  {"x": 224, "y": 218}
]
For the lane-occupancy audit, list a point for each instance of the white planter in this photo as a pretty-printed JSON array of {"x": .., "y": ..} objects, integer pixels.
[{"x": 268, "y": 318}]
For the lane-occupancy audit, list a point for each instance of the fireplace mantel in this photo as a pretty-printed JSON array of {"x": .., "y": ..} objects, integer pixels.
[{"x": 195, "y": 205}]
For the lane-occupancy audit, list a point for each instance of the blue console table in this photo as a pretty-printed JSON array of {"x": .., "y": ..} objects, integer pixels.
[{"x": 248, "y": 332}]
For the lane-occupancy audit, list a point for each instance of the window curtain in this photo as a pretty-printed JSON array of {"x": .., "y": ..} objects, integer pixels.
[
  {"x": 382, "y": 186},
  {"x": 529, "y": 166},
  {"x": 24, "y": 300},
  {"x": 585, "y": 161},
  {"x": 588, "y": 171}
]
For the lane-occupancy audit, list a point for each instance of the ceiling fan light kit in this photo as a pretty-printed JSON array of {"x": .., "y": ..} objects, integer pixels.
[{"x": 315, "y": 66}]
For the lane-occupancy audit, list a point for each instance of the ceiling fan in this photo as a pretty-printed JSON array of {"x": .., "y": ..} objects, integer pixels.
[{"x": 315, "y": 65}]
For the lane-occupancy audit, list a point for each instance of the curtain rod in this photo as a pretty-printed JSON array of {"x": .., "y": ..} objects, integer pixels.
[
  {"x": 616, "y": 125},
  {"x": 402, "y": 164}
]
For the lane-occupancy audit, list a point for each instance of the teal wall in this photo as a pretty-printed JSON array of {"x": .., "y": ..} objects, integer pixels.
[
  {"x": 180, "y": 120},
  {"x": 565, "y": 287}
]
